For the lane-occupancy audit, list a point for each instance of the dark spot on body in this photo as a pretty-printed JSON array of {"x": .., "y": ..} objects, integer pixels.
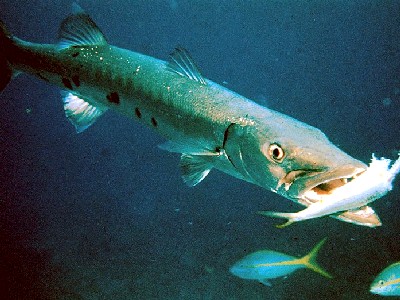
[
  {"x": 75, "y": 54},
  {"x": 138, "y": 113},
  {"x": 113, "y": 97},
  {"x": 67, "y": 83},
  {"x": 154, "y": 122},
  {"x": 76, "y": 81}
]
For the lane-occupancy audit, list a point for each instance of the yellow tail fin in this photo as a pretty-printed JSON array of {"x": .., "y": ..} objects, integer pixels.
[{"x": 310, "y": 260}]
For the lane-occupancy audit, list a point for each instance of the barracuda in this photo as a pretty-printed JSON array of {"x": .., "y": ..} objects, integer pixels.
[{"x": 211, "y": 126}]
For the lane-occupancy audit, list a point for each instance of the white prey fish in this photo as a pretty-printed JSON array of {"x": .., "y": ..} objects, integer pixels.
[{"x": 365, "y": 188}]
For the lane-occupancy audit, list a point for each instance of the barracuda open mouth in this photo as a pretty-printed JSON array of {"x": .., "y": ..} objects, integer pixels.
[
  {"x": 328, "y": 187},
  {"x": 310, "y": 186}
]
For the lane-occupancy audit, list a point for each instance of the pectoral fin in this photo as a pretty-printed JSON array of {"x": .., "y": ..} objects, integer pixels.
[
  {"x": 195, "y": 168},
  {"x": 196, "y": 161},
  {"x": 187, "y": 148}
]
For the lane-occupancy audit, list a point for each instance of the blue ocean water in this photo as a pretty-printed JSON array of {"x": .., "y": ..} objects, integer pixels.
[{"x": 105, "y": 215}]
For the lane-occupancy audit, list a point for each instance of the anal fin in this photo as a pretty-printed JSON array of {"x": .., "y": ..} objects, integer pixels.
[{"x": 80, "y": 112}]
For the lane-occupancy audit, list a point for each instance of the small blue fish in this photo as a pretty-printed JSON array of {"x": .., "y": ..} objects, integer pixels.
[
  {"x": 387, "y": 283},
  {"x": 266, "y": 264}
]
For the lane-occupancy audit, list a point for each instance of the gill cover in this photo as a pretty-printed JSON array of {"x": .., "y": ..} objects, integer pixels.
[
  {"x": 234, "y": 135},
  {"x": 242, "y": 146}
]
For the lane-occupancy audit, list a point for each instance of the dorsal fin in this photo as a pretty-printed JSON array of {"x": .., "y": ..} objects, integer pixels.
[
  {"x": 79, "y": 29},
  {"x": 182, "y": 63}
]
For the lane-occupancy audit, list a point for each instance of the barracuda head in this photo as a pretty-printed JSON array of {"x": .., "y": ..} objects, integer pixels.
[{"x": 289, "y": 157}]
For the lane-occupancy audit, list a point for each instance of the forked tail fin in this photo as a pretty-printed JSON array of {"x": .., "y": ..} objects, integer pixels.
[
  {"x": 310, "y": 260},
  {"x": 6, "y": 72}
]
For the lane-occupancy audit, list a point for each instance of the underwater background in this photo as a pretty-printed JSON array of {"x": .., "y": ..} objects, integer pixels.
[{"x": 105, "y": 215}]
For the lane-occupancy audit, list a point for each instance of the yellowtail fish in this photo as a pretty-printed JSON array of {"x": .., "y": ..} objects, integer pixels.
[
  {"x": 266, "y": 264},
  {"x": 367, "y": 187},
  {"x": 387, "y": 283},
  {"x": 211, "y": 126}
]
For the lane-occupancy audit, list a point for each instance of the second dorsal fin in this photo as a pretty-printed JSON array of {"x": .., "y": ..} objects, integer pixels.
[
  {"x": 182, "y": 63},
  {"x": 79, "y": 29}
]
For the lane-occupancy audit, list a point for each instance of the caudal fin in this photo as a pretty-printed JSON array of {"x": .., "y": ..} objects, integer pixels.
[
  {"x": 310, "y": 260},
  {"x": 6, "y": 72}
]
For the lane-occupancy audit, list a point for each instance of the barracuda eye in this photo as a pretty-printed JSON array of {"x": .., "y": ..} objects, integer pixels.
[{"x": 276, "y": 153}]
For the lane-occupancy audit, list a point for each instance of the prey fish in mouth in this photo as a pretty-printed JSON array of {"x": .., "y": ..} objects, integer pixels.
[{"x": 344, "y": 193}]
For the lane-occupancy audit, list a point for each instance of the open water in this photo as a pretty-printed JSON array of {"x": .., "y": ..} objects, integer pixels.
[{"x": 105, "y": 215}]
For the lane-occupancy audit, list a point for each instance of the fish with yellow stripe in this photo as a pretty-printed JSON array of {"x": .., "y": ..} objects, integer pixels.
[
  {"x": 267, "y": 264},
  {"x": 387, "y": 283}
]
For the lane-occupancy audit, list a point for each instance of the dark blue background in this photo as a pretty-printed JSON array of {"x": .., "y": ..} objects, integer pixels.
[{"x": 105, "y": 215}]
